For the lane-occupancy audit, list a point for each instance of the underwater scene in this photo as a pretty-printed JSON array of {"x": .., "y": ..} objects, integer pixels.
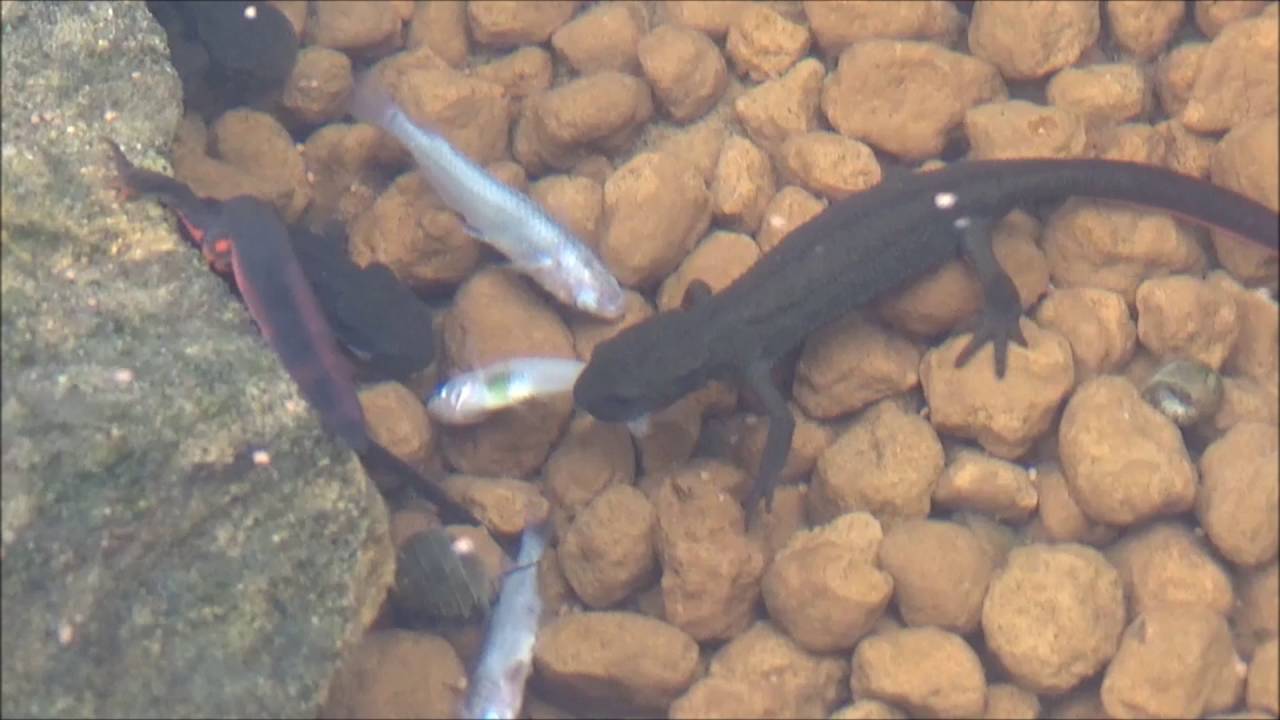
[{"x": 640, "y": 358}]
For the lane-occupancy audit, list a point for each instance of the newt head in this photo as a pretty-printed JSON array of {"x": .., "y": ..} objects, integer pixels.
[{"x": 644, "y": 368}]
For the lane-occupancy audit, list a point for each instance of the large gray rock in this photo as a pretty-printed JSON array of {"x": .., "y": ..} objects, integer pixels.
[{"x": 144, "y": 572}]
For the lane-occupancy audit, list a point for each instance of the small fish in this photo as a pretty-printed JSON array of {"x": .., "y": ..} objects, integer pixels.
[
  {"x": 510, "y": 221},
  {"x": 496, "y": 689},
  {"x": 469, "y": 397}
]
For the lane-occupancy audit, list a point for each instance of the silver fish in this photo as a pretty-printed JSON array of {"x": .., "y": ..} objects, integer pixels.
[
  {"x": 510, "y": 221},
  {"x": 469, "y": 397},
  {"x": 496, "y": 688}
]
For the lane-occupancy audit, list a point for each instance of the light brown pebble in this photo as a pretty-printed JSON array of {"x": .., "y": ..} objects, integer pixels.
[
  {"x": 504, "y": 506},
  {"x": 497, "y": 315},
  {"x": 1185, "y": 316},
  {"x": 1053, "y": 615},
  {"x": 1228, "y": 88},
  {"x": 979, "y": 483},
  {"x": 712, "y": 18},
  {"x": 685, "y": 68},
  {"x": 523, "y": 73},
  {"x": 591, "y": 456},
  {"x": 828, "y": 164},
  {"x": 258, "y": 144},
  {"x": 1096, "y": 323},
  {"x": 926, "y": 671},
  {"x": 1006, "y": 701},
  {"x": 1143, "y": 28},
  {"x": 408, "y": 229},
  {"x": 887, "y": 462},
  {"x": 717, "y": 261},
  {"x": 397, "y": 673},
  {"x": 441, "y": 26},
  {"x": 710, "y": 568},
  {"x": 560, "y": 127},
  {"x": 1257, "y": 618},
  {"x": 850, "y": 364},
  {"x": 1168, "y": 663},
  {"x": 1059, "y": 516},
  {"x": 608, "y": 552},
  {"x": 777, "y": 109},
  {"x": 836, "y": 25},
  {"x": 940, "y": 573},
  {"x": 763, "y": 43},
  {"x": 509, "y": 23},
  {"x": 868, "y": 97},
  {"x": 1030, "y": 40},
  {"x": 319, "y": 85},
  {"x": 1124, "y": 461},
  {"x": 1165, "y": 564},
  {"x": 1005, "y": 415},
  {"x": 1214, "y": 16},
  {"x": 781, "y": 678},
  {"x": 824, "y": 588},
  {"x": 1245, "y": 161},
  {"x": 1237, "y": 502},
  {"x": 615, "y": 657},
  {"x": 698, "y": 144},
  {"x": 1175, "y": 75},
  {"x": 576, "y": 202},
  {"x": 1263, "y": 693},
  {"x": 742, "y": 186},
  {"x": 1256, "y": 353},
  {"x": 866, "y": 709},
  {"x": 1011, "y": 129},
  {"x": 1102, "y": 94},
  {"x": 354, "y": 26},
  {"x": 656, "y": 207},
  {"x": 1092, "y": 244},
  {"x": 789, "y": 208},
  {"x": 397, "y": 420},
  {"x": 602, "y": 38}
]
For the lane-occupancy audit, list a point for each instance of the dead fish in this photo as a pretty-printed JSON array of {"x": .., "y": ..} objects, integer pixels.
[
  {"x": 496, "y": 688},
  {"x": 502, "y": 217}
]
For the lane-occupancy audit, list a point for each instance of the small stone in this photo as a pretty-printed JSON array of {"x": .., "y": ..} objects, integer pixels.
[
  {"x": 656, "y": 207},
  {"x": 1184, "y": 316},
  {"x": 1168, "y": 663},
  {"x": 1165, "y": 564},
  {"x": 611, "y": 657},
  {"x": 830, "y": 165},
  {"x": 763, "y": 44},
  {"x": 869, "y": 98},
  {"x": 1031, "y": 40},
  {"x": 824, "y": 588},
  {"x": 685, "y": 68},
  {"x": 602, "y": 38},
  {"x": 742, "y": 185},
  {"x": 975, "y": 482},
  {"x": 511, "y": 23},
  {"x": 940, "y": 573},
  {"x": 608, "y": 552},
  {"x": 774, "y": 110},
  {"x": 926, "y": 671},
  {"x": 1053, "y": 615},
  {"x": 1143, "y": 28},
  {"x": 1124, "y": 461},
  {"x": 887, "y": 462},
  {"x": 1237, "y": 502}
]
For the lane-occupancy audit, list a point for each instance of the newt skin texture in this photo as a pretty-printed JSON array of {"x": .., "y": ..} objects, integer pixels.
[{"x": 855, "y": 252}]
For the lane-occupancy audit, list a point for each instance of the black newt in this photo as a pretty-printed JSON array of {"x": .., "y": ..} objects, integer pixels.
[
  {"x": 374, "y": 315},
  {"x": 246, "y": 236},
  {"x": 856, "y": 251}
]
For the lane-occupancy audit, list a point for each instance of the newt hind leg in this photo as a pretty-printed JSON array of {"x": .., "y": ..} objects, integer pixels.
[
  {"x": 777, "y": 442},
  {"x": 998, "y": 323}
]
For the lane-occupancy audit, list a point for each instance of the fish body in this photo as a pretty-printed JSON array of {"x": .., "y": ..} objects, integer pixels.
[
  {"x": 505, "y": 218},
  {"x": 496, "y": 688},
  {"x": 469, "y": 397}
]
